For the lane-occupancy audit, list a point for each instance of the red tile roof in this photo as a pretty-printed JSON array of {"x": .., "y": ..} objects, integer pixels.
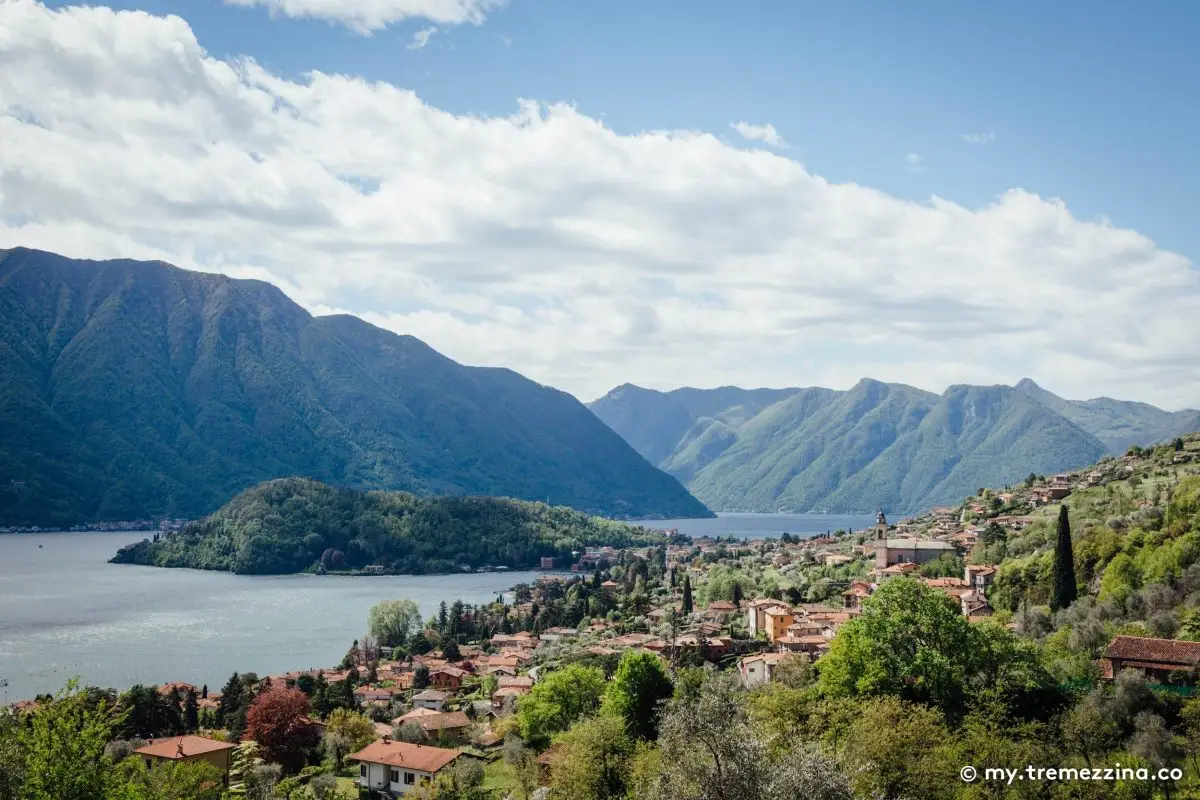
[
  {"x": 1163, "y": 651},
  {"x": 406, "y": 756}
]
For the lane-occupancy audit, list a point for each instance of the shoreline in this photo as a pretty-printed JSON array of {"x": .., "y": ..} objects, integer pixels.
[{"x": 84, "y": 684}]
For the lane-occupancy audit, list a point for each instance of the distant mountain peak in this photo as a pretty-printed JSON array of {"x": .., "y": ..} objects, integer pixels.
[{"x": 877, "y": 442}]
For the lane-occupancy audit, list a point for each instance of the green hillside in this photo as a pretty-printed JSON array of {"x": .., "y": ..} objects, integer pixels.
[
  {"x": 293, "y": 524},
  {"x": 874, "y": 445},
  {"x": 133, "y": 390},
  {"x": 1117, "y": 423},
  {"x": 1135, "y": 523}
]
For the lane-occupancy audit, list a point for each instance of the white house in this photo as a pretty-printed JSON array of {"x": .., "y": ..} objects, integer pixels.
[
  {"x": 431, "y": 699},
  {"x": 756, "y": 670},
  {"x": 399, "y": 767}
]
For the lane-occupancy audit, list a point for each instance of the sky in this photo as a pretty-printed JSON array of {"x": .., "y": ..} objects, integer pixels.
[{"x": 703, "y": 193}]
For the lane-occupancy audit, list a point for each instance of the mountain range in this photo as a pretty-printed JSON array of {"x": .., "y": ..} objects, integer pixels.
[
  {"x": 876, "y": 445},
  {"x": 132, "y": 390}
]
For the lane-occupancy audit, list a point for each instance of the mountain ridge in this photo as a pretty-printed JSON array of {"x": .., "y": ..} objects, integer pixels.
[
  {"x": 881, "y": 444},
  {"x": 133, "y": 389}
]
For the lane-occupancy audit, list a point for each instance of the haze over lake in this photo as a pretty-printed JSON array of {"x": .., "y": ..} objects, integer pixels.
[{"x": 65, "y": 611}]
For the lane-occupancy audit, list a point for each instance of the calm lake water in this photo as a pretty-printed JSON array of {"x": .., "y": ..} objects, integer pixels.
[
  {"x": 66, "y": 612},
  {"x": 753, "y": 526}
]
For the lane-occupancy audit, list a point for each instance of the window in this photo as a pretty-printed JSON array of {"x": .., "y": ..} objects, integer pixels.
[
  {"x": 409, "y": 779},
  {"x": 362, "y": 770},
  {"x": 395, "y": 776}
]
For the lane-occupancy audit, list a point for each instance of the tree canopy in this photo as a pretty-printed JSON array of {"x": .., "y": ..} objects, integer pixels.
[
  {"x": 558, "y": 700},
  {"x": 295, "y": 524},
  {"x": 912, "y": 641}
]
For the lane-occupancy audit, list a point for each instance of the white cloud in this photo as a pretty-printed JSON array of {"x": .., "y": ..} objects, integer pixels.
[
  {"x": 421, "y": 38},
  {"x": 985, "y": 137},
  {"x": 365, "y": 16},
  {"x": 546, "y": 242},
  {"x": 914, "y": 161},
  {"x": 760, "y": 133}
]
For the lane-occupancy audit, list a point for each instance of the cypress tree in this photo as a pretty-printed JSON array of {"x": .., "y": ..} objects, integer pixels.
[
  {"x": 737, "y": 594},
  {"x": 191, "y": 712},
  {"x": 1064, "y": 564},
  {"x": 687, "y": 595},
  {"x": 231, "y": 700}
]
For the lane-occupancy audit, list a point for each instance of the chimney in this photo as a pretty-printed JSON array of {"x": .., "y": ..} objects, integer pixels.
[
  {"x": 387, "y": 739},
  {"x": 179, "y": 748}
]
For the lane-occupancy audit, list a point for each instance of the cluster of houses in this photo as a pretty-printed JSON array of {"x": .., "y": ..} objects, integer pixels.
[
  {"x": 107, "y": 527},
  {"x": 448, "y": 719}
]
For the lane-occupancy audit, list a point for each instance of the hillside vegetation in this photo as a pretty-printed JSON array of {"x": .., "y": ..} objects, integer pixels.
[
  {"x": 874, "y": 445},
  {"x": 132, "y": 390},
  {"x": 293, "y": 525}
]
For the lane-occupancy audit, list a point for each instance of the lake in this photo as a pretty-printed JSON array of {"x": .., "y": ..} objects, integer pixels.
[
  {"x": 754, "y": 526},
  {"x": 66, "y": 612}
]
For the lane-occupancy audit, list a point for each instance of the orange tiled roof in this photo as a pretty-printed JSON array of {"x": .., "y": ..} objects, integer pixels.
[
  {"x": 406, "y": 756},
  {"x": 182, "y": 747}
]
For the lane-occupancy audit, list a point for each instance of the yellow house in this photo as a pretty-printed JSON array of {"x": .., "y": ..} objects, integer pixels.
[
  {"x": 188, "y": 748},
  {"x": 778, "y": 619},
  {"x": 758, "y": 613}
]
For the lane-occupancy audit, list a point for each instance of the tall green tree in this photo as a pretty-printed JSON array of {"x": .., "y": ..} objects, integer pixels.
[
  {"x": 593, "y": 763},
  {"x": 1065, "y": 588},
  {"x": 231, "y": 700},
  {"x": 910, "y": 640},
  {"x": 687, "y": 595},
  {"x": 558, "y": 700},
  {"x": 63, "y": 745},
  {"x": 191, "y": 712},
  {"x": 392, "y": 622},
  {"x": 637, "y": 691},
  {"x": 420, "y": 678}
]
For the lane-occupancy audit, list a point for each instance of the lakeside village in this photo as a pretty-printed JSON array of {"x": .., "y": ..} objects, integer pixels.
[
  {"x": 138, "y": 525},
  {"x": 473, "y": 690}
]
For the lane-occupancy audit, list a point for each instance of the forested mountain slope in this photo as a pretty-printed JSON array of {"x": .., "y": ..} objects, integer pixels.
[
  {"x": 874, "y": 445},
  {"x": 133, "y": 389}
]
